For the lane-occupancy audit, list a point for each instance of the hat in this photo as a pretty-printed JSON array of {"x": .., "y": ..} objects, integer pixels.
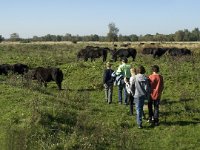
[{"x": 108, "y": 64}]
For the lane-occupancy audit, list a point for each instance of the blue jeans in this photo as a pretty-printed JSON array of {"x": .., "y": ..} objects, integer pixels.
[
  {"x": 120, "y": 89},
  {"x": 139, "y": 103}
]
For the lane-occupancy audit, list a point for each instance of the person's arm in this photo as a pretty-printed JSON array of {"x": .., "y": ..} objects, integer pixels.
[
  {"x": 104, "y": 77},
  {"x": 162, "y": 83},
  {"x": 119, "y": 70}
]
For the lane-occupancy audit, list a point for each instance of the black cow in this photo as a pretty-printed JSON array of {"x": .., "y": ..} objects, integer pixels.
[
  {"x": 92, "y": 53},
  {"x": 83, "y": 53},
  {"x": 5, "y": 69},
  {"x": 20, "y": 68},
  {"x": 125, "y": 45},
  {"x": 179, "y": 52},
  {"x": 156, "y": 52},
  {"x": 130, "y": 52},
  {"x": 44, "y": 75}
]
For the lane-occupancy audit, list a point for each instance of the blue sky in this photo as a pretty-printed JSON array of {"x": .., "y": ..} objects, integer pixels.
[{"x": 85, "y": 17}]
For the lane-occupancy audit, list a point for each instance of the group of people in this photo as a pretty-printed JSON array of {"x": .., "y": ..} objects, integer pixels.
[{"x": 137, "y": 88}]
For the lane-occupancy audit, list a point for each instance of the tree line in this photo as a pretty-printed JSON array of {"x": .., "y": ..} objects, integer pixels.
[{"x": 112, "y": 36}]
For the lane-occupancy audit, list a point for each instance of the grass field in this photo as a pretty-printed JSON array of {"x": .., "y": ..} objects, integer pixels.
[{"x": 34, "y": 117}]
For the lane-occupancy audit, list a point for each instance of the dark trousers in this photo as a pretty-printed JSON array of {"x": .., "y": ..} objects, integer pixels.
[
  {"x": 154, "y": 113},
  {"x": 131, "y": 103}
]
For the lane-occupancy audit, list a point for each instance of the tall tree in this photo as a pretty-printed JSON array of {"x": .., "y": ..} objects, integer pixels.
[
  {"x": 112, "y": 33},
  {"x": 1, "y": 38},
  {"x": 195, "y": 35},
  {"x": 179, "y": 35},
  {"x": 14, "y": 37}
]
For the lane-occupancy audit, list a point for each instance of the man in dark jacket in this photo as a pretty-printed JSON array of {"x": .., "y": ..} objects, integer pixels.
[{"x": 108, "y": 82}]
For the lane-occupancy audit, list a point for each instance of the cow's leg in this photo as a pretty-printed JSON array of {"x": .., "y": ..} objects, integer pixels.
[
  {"x": 85, "y": 59},
  {"x": 45, "y": 84},
  {"x": 59, "y": 85}
]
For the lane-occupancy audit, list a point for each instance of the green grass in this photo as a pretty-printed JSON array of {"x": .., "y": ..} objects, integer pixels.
[{"x": 34, "y": 117}]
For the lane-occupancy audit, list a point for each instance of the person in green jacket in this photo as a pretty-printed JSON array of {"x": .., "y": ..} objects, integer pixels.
[{"x": 124, "y": 70}]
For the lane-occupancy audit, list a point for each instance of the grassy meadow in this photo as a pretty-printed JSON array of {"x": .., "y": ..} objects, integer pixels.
[{"x": 39, "y": 118}]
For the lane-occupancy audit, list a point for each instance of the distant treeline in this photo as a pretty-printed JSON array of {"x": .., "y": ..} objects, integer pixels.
[{"x": 181, "y": 35}]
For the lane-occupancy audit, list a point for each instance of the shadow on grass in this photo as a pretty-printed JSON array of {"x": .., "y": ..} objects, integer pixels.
[
  {"x": 180, "y": 123},
  {"x": 171, "y": 102},
  {"x": 86, "y": 89}
]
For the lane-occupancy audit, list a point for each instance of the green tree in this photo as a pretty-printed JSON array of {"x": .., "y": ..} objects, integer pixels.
[
  {"x": 124, "y": 38},
  {"x": 195, "y": 34},
  {"x": 112, "y": 33},
  {"x": 186, "y": 35},
  {"x": 1, "y": 38},
  {"x": 179, "y": 35},
  {"x": 14, "y": 37},
  {"x": 133, "y": 37},
  {"x": 67, "y": 37}
]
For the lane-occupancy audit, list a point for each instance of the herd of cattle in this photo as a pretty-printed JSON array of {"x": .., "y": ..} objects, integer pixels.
[
  {"x": 44, "y": 75},
  {"x": 90, "y": 52},
  {"x": 41, "y": 74}
]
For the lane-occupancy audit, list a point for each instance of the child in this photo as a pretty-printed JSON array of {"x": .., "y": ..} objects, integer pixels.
[
  {"x": 157, "y": 86},
  {"x": 130, "y": 87},
  {"x": 142, "y": 92},
  {"x": 108, "y": 83}
]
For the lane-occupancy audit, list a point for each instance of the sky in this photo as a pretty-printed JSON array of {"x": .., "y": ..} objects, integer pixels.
[{"x": 31, "y": 18}]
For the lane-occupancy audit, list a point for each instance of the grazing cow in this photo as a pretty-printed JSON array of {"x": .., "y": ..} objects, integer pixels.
[
  {"x": 179, "y": 52},
  {"x": 44, "y": 75},
  {"x": 130, "y": 52},
  {"x": 82, "y": 54},
  {"x": 156, "y": 52},
  {"x": 5, "y": 69},
  {"x": 20, "y": 68},
  {"x": 92, "y": 53},
  {"x": 125, "y": 45}
]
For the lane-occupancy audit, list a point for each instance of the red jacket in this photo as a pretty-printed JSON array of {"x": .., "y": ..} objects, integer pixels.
[{"x": 157, "y": 86}]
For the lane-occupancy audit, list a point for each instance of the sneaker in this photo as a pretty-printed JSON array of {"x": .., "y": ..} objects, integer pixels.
[
  {"x": 120, "y": 103},
  {"x": 140, "y": 127},
  {"x": 149, "y": 121}
]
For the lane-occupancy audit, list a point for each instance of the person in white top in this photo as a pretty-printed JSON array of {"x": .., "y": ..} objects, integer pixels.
[{"x": 130, "y": 87}]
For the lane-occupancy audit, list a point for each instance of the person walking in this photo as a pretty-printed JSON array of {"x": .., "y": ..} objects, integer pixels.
[
  {"x": 123, "y": 70},
  {"x": 108, "y": 83},
  {"x": 157, "y": 86},
  {"x": 142, "y": 92},
  {"x": 130, "y": 88}
]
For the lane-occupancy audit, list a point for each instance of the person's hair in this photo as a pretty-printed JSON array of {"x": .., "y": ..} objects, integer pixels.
[
  {"x": 124, "y": 59},
  {"x": 155, "y": 68},
  {"x": 141, "y": 70},
  {"x": 108, "y": 64},
  {"x": 133, "y": 70}
]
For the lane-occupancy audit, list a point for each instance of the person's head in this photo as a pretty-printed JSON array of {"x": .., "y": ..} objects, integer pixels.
[
  {"x": 141, "y": 70},
  {"x": 124, "y": 60},
  {"x": 133, "y": 71},
  {"x": 155, "y": 68},
  {"x": 108, "y": 65}
]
